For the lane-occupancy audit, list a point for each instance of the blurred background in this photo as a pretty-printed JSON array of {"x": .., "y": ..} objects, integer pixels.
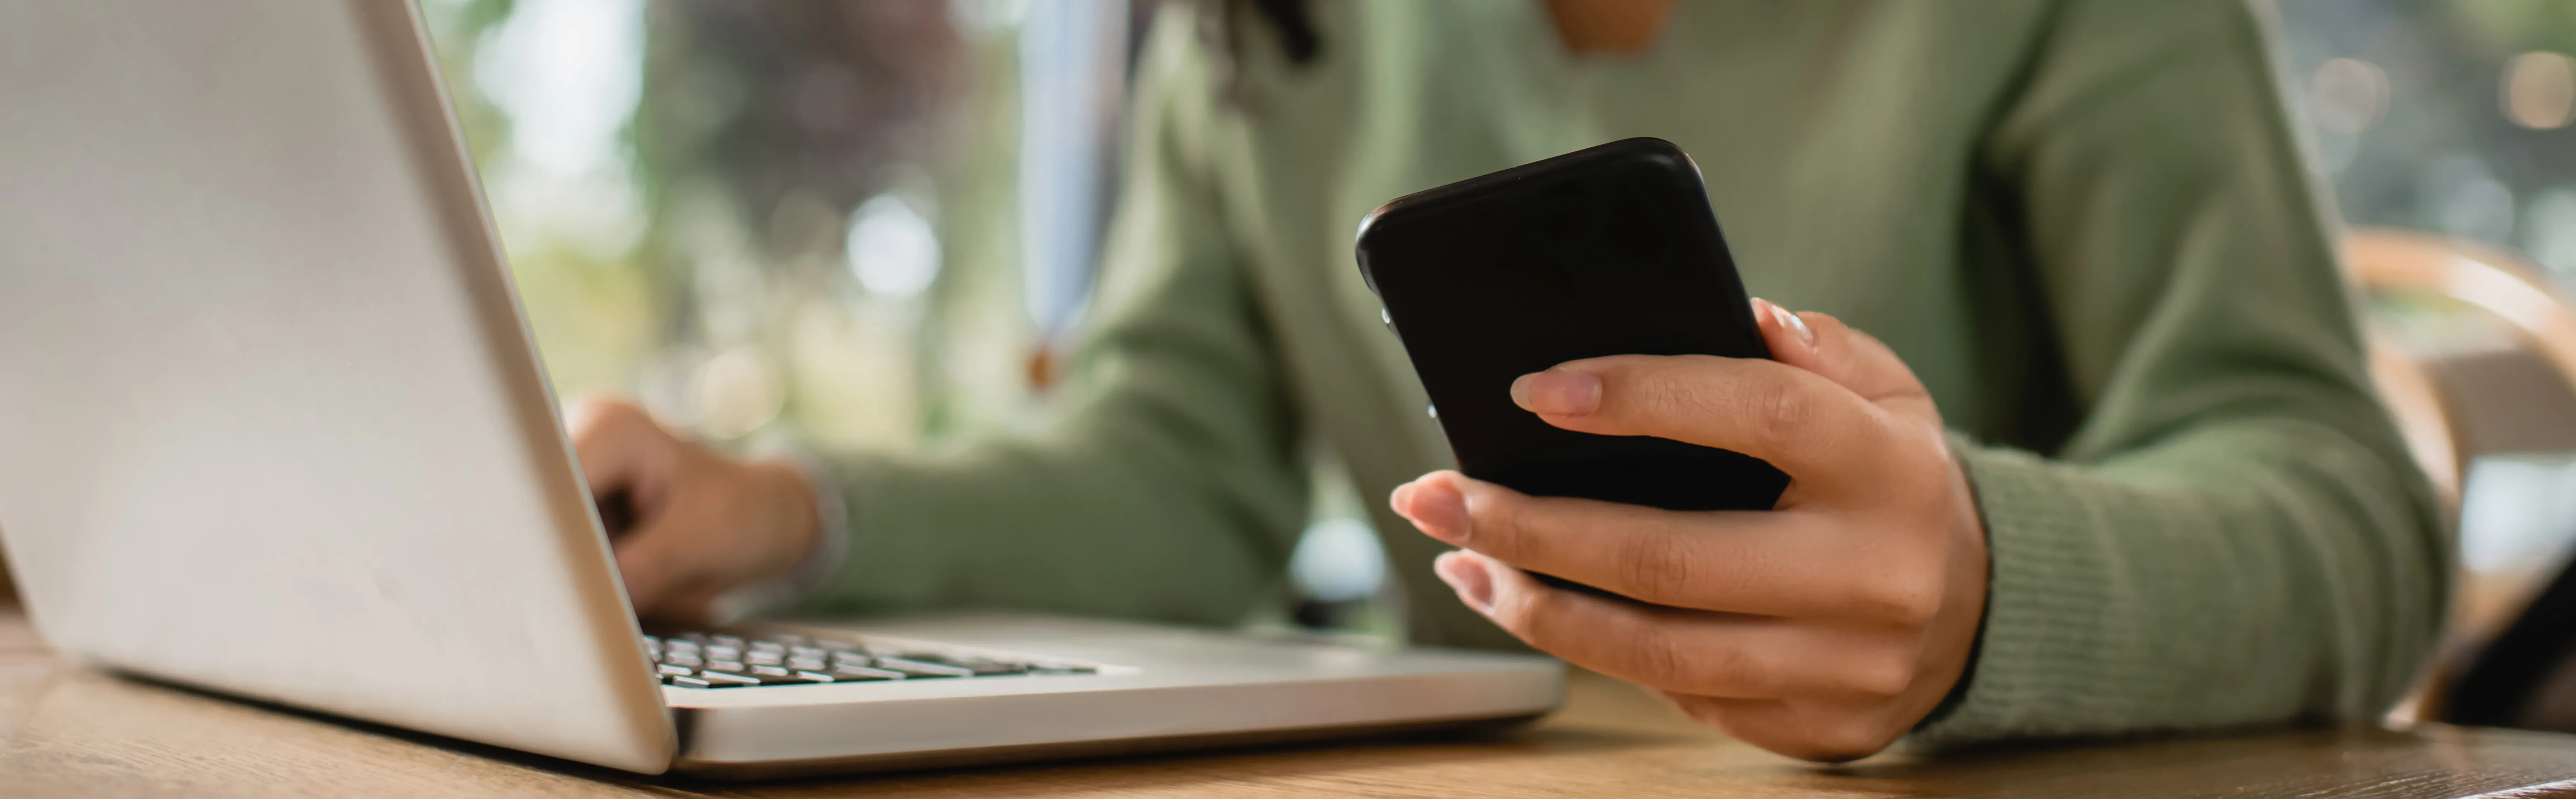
[
  {"x": 868, "y": 223},
  {"x": 2452, "y": 118},
  {"x": 859, "y": 223}
]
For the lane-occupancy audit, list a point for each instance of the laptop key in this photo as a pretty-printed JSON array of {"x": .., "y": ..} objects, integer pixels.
[
  {"x": 724, "y": 679},
  {"x": 754, "y": 675},
  {"x": 688, "y": 682},
  {"x": 848, "y": 672},
  {"x": 982, "y": 667},
  {"x": 990, "y": 668},
  {"x": 668, "y": 670},
  {"x": 922, "y": 669}
]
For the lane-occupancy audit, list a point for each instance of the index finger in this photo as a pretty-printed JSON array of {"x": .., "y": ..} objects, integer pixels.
[{"x": 1803, "y": 423}]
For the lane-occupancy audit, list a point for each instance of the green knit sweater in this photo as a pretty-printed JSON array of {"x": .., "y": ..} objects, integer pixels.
[{"x": 2084, "y": 224}]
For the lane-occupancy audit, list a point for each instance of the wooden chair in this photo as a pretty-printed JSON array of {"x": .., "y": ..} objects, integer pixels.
[{"x": 2514, "y": 392}]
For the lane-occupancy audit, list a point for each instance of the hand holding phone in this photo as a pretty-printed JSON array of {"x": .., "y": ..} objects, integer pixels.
[
  {"x": 1823, "y": 627},
  {"x": 1611, "y": 250}
]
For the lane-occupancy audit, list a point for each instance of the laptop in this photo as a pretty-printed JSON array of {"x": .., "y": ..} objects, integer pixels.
[{"x": 271, "y": 426}]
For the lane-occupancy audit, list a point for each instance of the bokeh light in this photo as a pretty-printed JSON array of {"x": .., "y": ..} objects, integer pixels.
[
  {"x": 892, "y": 249},
  {"x": 1338, "y": 560},
  {"x": 735, "y": 393},
  {"x": 2539, "y": 89},
  {"x": 2348, "y": 95}
]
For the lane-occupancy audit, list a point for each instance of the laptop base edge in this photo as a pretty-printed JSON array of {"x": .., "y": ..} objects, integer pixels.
[{"x": 1076, "y": 750}]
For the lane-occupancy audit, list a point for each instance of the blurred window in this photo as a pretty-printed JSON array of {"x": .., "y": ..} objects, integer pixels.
[
  {"x": 2454, "y": 117},
  {"x": 2450, "y": 117}
]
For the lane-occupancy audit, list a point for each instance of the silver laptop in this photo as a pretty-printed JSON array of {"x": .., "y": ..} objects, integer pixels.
[{"x": 270, "y": 424}]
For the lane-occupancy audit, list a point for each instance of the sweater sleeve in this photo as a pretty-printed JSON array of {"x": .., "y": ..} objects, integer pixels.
[
  {"x": 1170, "y": 486},
  {"x": 2234, "y": 533}
]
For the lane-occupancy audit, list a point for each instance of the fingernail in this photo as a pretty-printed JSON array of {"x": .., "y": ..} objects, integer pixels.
[
  {"x": 1468, "y": 578},
  {"x": 1557, "y": 393},
  {"x": 1436, "y": 507},
  {"x": 1790, "y": 322}
]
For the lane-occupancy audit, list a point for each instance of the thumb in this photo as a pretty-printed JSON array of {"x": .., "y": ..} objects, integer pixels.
[{"x": 1819, "y": 343}]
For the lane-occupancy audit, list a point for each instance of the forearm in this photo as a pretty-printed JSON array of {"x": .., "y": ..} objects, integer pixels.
[
  {"x": 1113, "y": 514},
  {"x": 2246, "y": 571}
]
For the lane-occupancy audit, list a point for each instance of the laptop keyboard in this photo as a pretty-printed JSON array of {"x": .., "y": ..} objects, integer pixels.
[{"x": 705, "y": 660}]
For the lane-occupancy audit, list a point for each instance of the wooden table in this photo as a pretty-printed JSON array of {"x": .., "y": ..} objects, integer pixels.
[{"x": 69, "y": 731}]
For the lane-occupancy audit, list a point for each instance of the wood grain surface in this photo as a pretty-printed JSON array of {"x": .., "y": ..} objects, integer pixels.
[{"x": 69, "y": 731}]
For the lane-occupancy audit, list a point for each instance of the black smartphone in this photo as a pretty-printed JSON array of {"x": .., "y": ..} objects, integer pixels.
[{"x": 1610, "y": 250}]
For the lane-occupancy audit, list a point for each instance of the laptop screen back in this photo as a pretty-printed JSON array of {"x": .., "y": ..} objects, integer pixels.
[{"x": 269, "y": 420}]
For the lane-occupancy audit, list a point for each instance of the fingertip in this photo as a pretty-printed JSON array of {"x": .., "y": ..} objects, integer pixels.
[
  {"x": 1502, "y": 573},
  {"x": 1466, "y": 574},
  {"x": 1837, "y": 352},
  {"x": 1797, "y": 325},
  {"x": 1436, "y": 506},
  {"x": 1558, "y": 392},
  {"x": 1514, "y": 600},
  {"x": 1470, "y": 490},
  {"x": 1787, "y": 335}
]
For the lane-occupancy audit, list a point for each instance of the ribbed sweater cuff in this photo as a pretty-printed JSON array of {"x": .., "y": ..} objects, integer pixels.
[{"x": 2043, "y": 644}]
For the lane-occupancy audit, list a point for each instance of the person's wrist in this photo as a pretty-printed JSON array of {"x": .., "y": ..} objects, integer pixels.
[
  {"x": 808, "y": 535},
  {"x": 791, "y": 494},
  {"x": 1962, "y": 617},
  {"x": 782, "y": 526}
]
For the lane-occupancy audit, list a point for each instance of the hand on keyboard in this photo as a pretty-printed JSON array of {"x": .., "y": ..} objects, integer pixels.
[{"x": 689, "y": 523}]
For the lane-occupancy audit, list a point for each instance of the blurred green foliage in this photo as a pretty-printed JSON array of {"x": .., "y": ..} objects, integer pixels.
[{"x": 759, "y": 128}]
